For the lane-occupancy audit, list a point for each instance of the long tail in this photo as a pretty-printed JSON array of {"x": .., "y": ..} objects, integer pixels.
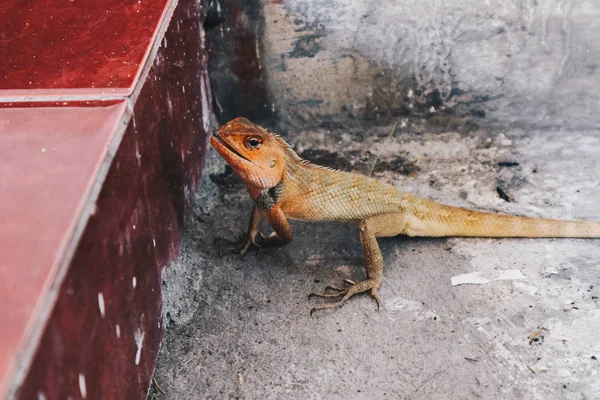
[{"x": 426, "y": 218}]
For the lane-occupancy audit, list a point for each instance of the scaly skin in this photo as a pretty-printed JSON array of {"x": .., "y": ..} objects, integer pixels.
[{"x": 283, "y": 186}]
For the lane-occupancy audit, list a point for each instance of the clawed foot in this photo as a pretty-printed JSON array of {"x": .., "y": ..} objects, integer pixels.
[
  {"x": 245, "y": 243},
  {"x": 240, "y": 247},
  {"x": 354, "y": 288}
]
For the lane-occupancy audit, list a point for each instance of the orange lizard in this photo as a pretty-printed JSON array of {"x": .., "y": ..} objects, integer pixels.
[{"x": 284, "y": 186}]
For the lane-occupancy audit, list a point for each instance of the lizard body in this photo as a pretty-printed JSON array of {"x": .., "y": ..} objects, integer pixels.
[{"x": 284, "y": 186}]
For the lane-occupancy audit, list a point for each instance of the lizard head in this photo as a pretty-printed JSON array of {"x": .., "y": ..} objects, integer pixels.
[{"x": 254, "y": 154}]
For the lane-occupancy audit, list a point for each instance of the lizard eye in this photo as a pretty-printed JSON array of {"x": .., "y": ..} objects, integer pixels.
[{"x": 253, "y": 142}]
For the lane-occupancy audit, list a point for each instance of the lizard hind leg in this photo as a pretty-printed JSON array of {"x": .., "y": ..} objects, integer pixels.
[{"x": 374, "y": 266}]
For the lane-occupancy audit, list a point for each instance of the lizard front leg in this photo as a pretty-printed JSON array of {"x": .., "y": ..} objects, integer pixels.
[
  {"x": 255, "y": 219},
  {"x": 282, "y": 231},
  {"x": 383, "y": 225},
  {"x": 242, "y": 245}
]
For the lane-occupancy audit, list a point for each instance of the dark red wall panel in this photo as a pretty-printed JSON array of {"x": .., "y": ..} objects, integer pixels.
[{"x": 103, "y": 335}]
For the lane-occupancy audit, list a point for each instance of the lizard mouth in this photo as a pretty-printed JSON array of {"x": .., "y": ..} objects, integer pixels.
[{"x": 222, "y": 146}]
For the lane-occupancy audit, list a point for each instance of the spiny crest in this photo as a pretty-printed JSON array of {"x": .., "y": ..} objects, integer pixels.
[
  {"x": 286, "y": 146},
  {"x": 317, "y": 166},
  {"x": 292, "y": 153}
]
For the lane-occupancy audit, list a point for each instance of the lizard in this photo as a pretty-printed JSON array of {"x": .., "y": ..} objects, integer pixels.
[{"x": 286, "y": 187}]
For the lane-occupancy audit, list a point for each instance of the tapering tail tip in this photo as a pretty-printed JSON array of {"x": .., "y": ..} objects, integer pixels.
[{"x": 432, "y": 219}]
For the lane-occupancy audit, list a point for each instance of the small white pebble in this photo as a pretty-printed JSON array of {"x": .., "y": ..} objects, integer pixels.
[
  {"x": 118, "y": 330},
  {"x": 43, "y": 150},
  {"x": 134, "y": 282}
]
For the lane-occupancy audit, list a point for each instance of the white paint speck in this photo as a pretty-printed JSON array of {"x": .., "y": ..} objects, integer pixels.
[
  {"x": 205, "y": 105},
  {"x": 118, "y": 330},
  {"x": 134, "y": 282},
  {"x": 43, "y": 150},
  {"x": 139, "y": 341},
  {"x": 153, "y": 242},
  {"x": 134, "y": 227},
  {"x": 101, "y": 303},
  {"x": 257, "y": 50},
  {"x": 41, "y": 396},
  {"x": 82, "y": 388}
]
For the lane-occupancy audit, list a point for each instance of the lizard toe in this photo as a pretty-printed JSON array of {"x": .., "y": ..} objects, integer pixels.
[
  {"x": 328, "y": 295},
  {"x": 355, "y": 288}
]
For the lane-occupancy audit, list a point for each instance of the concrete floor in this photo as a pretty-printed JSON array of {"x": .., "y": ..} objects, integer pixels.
[{"x": 240, "y": 327}]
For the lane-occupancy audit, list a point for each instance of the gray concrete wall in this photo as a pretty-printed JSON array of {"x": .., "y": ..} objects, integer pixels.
[
  {"x": 526, "y": 62},
  {"x": 339, "y": 74}
]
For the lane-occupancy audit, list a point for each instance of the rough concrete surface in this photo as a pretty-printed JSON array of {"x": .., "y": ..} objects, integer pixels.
[
  {"x": 526, "y": 61},
  {"x": 240, "y": 327}
]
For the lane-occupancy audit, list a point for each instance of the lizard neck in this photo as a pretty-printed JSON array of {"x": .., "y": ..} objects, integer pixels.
[{"x": 266, "y": 199}]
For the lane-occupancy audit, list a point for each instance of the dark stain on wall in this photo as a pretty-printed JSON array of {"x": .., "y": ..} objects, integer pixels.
[
  {"x": 234, "y": 30},
  {"x": 306, "y": 46}
]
